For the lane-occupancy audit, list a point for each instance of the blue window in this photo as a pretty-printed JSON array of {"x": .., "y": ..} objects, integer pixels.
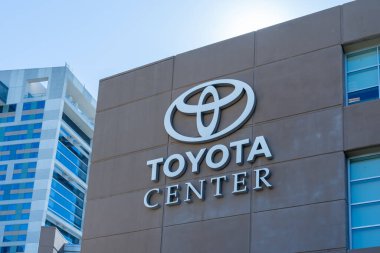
[
  {"x": 16, "y": 212},
  {"x": 16, "y": 191},
  {"x": 33, "y": 105},
  {"x": 8, "y": 108},
  {"x": 3, "y": 171},
  {"x": 18, "y": 227},
  {"x": 66, "y": 199},
  {"x": 7, "y": 113},
  {"x": 20, "y": 132},
  {"x": 24, "y": 170},
  {"x": 32, "y": 116},
  {"x": 365, "y": 201},
  {"x": 362, "y": 75},
  {"x": 14, "y": 238},
  {"x": 3, "y": 92},
  {"x": 12, "y": 152},
  {"x": 77, "y": 170},
  {"x": 7, "y": 119},
  {"x": 12, "y": 249}
]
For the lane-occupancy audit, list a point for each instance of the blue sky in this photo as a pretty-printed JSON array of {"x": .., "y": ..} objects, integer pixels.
[{"x": 101, "y": 38}]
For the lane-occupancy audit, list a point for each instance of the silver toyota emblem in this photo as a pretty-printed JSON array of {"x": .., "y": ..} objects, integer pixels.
[{"x": 210, "y": 132}]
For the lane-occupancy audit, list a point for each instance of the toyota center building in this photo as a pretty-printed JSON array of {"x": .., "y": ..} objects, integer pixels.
[{"x": 264, "y": 143}]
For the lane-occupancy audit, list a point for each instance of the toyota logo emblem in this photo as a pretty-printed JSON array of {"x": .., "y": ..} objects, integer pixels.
[{"x": 210, "y": 132}]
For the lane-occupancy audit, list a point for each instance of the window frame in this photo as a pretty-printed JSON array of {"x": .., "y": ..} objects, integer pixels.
[
  {"x": 349, "y": 159},
  {"x": 377, "y": 46}
]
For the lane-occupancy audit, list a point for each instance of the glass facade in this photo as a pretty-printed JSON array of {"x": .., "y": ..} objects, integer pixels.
[
  {"x": 364, "y": 185},
  {"x": 44, "y": 138},
  {"x": 362, "y": 75},
  {"x": 3, "y": 92},
  {"x": 66, "y": 199},
  {"x": 33, "y": 110},
  {"x": 19, "y": 148},
  {"x": 7, "y": 113}
]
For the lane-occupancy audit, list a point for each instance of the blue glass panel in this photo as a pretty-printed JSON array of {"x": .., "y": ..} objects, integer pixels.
[
  {"x": 363, "y": 191},
  {"x": 362, "y": 79},
  {"x": 13, "y": 155},
  {"x": 68, "y": 185},
  {"x": 32, "y": 116},
  {"x": 14, "y": 238},
  {"x": 33, "y": 105},
  {"x": 12, "y": 249},
  {"x": 72, "y": 157},
  {"x": 79, "y": 151},
  {"x": 66, "y": 215},
  {"x": 363, "y": 95},
  {"x": 7, "y": 119},
  {"x": 362, "y": 59},
  {"x": 9, "y": 191},
  {"x": 65, "y": 203},
  {"x": 68, "y": 194},
  {"x": 365, "y": 238},
  {"x": 18, "y": 227},
  {"x": 365, "y": 168},
  {"x": 68, "y": 164},
  {"x": 365, "y": 215}
]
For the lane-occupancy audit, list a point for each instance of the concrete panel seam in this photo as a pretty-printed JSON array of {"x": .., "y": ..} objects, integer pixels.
[
  {"x": 322, "y": 250},
  {"x": 286, "y": 58},
  {"x": 309, "y": 204},
  {"x": 111, "y": 235},
  {"x": 298, "y": 114},
  {"x": 205, "y": 220},
  {"x": 167, "y": 152},
  {"x": 125, "y": 154},
  {"x": 130, "y": 102},
  {"x": 214, "y": 78}
]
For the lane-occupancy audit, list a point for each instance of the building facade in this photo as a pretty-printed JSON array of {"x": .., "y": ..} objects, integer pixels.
[
  {"x": 263, "y": 143},
  {"x": 46, "y": 128}
]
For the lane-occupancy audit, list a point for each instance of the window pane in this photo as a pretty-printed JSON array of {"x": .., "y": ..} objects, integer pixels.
[
  {"x": 363, "y": 191},
  {"x": 363, "y": 59},
  {"x": 365, "y": 168},
  {"x": 363, "y": 95},
  {"x": 365, "y": 215},
  {"x": 362, "y": 79},
  {"x": 365, "y": 238}
]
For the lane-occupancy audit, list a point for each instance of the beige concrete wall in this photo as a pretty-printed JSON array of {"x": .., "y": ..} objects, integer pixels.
[{"x": 296, "y": 70}]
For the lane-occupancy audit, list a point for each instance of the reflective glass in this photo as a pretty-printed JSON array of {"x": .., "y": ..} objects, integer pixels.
[
  {"x": 66, "y": 203},
  {"x": 18, "y": 227},
  {"x": 68, "y": 164},
  {"x": 12, "y": 249},
  {"x": 363, "y": 95},
  {"x": 14, "y": 238},
  {"x": 65, "y": 214},
  {"x": 363, "y": 191},
  {"x": 33, "y": 105},
  {"x": 362, "y": 79},
  {"x": 72, "y": 157},
  {"x": 365, "y": 168},
  {"x": 362, "y": 59},
  {"x": 366, "y": 237},
  {"x": 365, "y": 215}
]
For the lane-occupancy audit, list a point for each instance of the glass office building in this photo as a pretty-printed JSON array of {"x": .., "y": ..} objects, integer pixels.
[{"x": 46, "y": 129}]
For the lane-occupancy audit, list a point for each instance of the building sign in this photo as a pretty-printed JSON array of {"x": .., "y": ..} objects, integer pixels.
[
  {"x": 218, "y": 156},
  {"x": 210, "y": 133}
]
